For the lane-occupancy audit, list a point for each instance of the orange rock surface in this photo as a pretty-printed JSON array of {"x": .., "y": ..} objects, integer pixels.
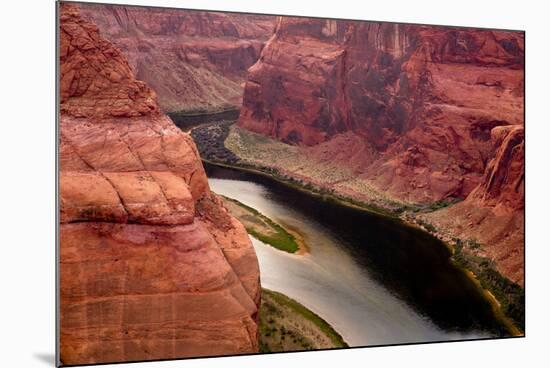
[
  {"x": 431, "y": 105},
  {"x": 493, "y": 213},
  {"x": 152, "y": 266},
  {"x": 192, "y": 59}
]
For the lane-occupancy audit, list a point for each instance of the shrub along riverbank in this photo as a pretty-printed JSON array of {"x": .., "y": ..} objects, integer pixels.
[
  {"x": 186, "y": 120},
  {"x": 510, "y": 296},
  {"x": 262, "y": 227},
  {"x": 286, "y": 325}
]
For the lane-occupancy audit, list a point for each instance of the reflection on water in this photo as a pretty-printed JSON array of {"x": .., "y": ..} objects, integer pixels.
[{"x": 373, "y": 279}]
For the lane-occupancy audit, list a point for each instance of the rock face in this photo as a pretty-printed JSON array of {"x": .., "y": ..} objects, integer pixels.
[
  {"x": 194, "y": 60},
  {"x": 503, "y": 184},
  {"x": 431, "y": 105},
  {"x": 493, "y": 213},
  {"x": 152, "y": 266}
]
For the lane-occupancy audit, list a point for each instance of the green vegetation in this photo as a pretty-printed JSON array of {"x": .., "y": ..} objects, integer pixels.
[
  {"x": 431, "y": 207},
  {"x": 426, "y": 225},
  {"x": 510, "y": 295},
  {"x": 270, "y": 233},
  {"x": 189, "y": 119},
  {"x": 442, "y": 203},
  {"x": 210, "y": 140},
  {"x": 203, "y": 111},
  {"x": 280, "y": 241},
  {"x": 286, "y": 325},
  {"x": 325, "y": 194}
]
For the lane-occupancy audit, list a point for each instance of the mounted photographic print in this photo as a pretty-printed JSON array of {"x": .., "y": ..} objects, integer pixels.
[{"x": 234, "y": 183}]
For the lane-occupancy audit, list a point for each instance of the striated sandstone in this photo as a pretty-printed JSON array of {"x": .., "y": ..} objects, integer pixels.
[
  {"x": 426, "y": 102},
  {"x": 493, "y": 213},
  {"x": 96, "y": 80},
  {"x": 424, "y": 98},
  {"x": 194, "y": 60},
  {"x": 503, "y": 182},
  {"x": 152, "y": 266}
]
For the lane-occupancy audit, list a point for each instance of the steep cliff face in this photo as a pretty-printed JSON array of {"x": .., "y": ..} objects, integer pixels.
[
  {"x": 462, "y": 84},
  {"x": 317, "y": 78},
  {"x": 152, "y": 265},
  {"x": 424, "y": 101},
  {"x": 192, "y": 59},
  {"x": 424, "y": 98},
  {"x": 493, "y": 213},
  {"x": 503, "y": 181}
]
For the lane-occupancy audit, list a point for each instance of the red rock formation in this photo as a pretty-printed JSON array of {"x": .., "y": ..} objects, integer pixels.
[
  {"x": 151, "y": 264},
  {"x": 424, "y": 99},
  {"x": 192, "y": 59},
  {"x": 503, "y": 182},
  {"x": 436, "y": 92},
  {"x": 493, "y": 213},
  {"x": 96, "y": 80}
]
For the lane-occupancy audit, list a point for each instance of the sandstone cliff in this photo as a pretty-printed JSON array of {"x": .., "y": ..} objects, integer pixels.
[
  {"x": 152, "y": 265},
  {"x": 194, "y": 60},
  {"x": 493, "y": 213},
  {"x": 427, "y": 108}
]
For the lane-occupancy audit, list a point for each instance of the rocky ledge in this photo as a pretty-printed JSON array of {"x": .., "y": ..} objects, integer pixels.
[
  {"x": 194, "y": 60},
  {"x": 416, "y": 114},
  {"x": 152, "y": 266}
]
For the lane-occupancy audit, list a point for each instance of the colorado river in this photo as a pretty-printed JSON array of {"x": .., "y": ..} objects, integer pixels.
[{"x": 374, "y": 279}]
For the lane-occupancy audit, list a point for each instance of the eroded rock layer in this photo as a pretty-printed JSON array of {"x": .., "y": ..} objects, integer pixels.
[
  {"x": 493, "y": 213},
  {"x": 430, "y": 105},
  {"x": 152, "y": 265},
  {"x": 194, "y": 60}
]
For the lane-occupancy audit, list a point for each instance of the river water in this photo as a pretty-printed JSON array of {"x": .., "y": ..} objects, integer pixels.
[{"x": 374, "y": 279}]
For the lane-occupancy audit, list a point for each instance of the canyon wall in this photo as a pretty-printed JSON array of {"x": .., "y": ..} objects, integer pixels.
[
  {"x": 152, "y": 266},
  {"x": 438, "y": 111},
  {"x": 493, "y": 213},
  {"x": 193, "y": 60}
]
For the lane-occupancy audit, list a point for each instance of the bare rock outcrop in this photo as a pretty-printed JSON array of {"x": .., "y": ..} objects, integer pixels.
[
  {"x": 433, "y": 105},
  {"x": 194, "y": 60},
  {"x": 493, "y": 213},
  {"x": 152, "y": 266},
  {"x": 435, "y": 92}
]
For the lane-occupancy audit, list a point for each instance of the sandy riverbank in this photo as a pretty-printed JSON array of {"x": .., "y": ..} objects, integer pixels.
[
  {"x": 286, "y": 325},
  {"x": 265, "y": 229},
  {"x": 229, "y": 143}
]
